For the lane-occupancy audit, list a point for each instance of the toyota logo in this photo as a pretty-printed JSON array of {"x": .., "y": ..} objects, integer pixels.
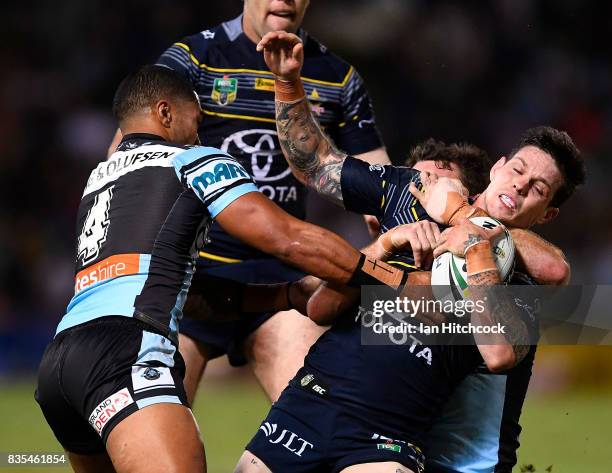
[{"x": 262, "y": 146}]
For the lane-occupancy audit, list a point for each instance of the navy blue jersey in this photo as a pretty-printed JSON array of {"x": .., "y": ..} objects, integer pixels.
[
  {"x": 138, "y": 225},
  {"x": 403, "y": 386},
  {"x": 406, "y": 387},
  {"x": 382, "y": 191},
  {"x": 236, "y": 91},
  {"x": 479, "y": 429}
]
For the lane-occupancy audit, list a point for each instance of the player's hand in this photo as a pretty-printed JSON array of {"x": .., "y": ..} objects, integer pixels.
[
  {"x": 459, "y": 238},
  {"x": 283, "y": 53},
  {"x": 441, "y": 197},
  {"x": 372, "y": 225},
  {"x": 420, "y": 237}
]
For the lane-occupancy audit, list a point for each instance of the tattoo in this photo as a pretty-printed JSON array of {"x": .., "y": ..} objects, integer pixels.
[
  {"x": 472, "y": 238},
  {"x": 309, "y": 152},
  {"x": 502, "y": 310}
]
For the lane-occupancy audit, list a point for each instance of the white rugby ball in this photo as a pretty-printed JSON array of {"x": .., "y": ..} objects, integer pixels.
[{"x": 449, "y": 272}]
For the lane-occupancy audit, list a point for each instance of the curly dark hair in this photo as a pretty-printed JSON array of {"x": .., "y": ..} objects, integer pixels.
[
  {"x": 473, "y": 162},
  {"x": 567, "y": 156}
]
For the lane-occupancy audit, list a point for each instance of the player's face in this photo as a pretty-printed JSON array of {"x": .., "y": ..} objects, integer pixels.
[
  {"x": 186, "y": 119},
  {"x": 522, "y": 187},
  {"x": 263, "y": 16},
  {"x": 451, "y": 170}
]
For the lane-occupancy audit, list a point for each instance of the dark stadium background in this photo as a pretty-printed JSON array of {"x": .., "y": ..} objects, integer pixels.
[{"x": 474, "y": 71}]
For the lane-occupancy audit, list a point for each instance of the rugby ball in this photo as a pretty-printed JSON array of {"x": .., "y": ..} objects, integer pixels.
[{"x": 449, "y": 272}]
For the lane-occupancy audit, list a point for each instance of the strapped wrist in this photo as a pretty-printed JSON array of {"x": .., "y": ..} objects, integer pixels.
[
  {"x": 479, "y": 258},
  {"x": 289, "y": 91}
]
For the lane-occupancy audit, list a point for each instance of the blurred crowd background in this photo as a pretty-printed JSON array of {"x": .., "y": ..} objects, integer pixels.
[{"x": 457, "y": 71}]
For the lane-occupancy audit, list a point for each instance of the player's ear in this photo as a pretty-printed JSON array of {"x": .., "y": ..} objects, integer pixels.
[
  {"x": 498, "y": 165},
  {"x": 163, "y": 111},
  {"x": 549, "y": 214}
]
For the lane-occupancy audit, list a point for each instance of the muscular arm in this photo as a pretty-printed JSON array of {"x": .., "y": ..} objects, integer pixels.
[
  {"x": 542, "y": 260},
  {"x": 500, "y": 351},
  {"x": 257, "y": 221},
  {"x": 330, "y": 300},
  {"x": 311, "y": 155}
]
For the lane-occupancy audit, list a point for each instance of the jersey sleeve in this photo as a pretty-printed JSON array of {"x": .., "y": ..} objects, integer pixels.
[
  {"x": 357, "y": 133},
  {"x": 363, "y": 186},
  {"x": 179, "y": 57},
  {"x": 215, "y": 177}
]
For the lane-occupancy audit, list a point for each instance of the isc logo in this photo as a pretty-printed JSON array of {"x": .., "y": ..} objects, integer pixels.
[
  {"x": 318, "y": 389},
  {"x": 224, "y": 171}
]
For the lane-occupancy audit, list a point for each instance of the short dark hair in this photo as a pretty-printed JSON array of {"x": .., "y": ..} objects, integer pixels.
[
  {"x": 567, "y": 156},
  {"x": 473, "y": 162},
  {"x": 148, "y": 85}
]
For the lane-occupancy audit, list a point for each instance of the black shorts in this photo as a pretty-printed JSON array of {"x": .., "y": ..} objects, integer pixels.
[
  {"x": 228, "y": 337},
  {"x": 94, "y": 375},
  {"x": 310, "y": 433}
]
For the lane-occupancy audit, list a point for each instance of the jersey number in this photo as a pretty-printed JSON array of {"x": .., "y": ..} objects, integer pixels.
[{"x": 95, "y": 228}]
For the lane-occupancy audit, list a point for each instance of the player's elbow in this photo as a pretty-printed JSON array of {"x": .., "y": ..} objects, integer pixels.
[
  {"x": 319, "y": 316},
  {"x": 559, "y": 272},
  {"x": 322, "y": 310},
  {"x": 500, "y": 358}
]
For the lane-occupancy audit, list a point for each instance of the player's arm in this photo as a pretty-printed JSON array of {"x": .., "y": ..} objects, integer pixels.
[
  {"x": 542, "y": 260},
  {"x": 225, "y": 300},
  {"x": 330, "y": 300},
  {"x": 499, "y": 351},
  {"x": 258, "y": 222},
  {"x": 445, "y": 199},
  {"x": 311, "y": 155}
]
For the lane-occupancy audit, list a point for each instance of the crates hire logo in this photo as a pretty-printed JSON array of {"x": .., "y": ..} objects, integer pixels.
[{"x": 224, "y": 90}]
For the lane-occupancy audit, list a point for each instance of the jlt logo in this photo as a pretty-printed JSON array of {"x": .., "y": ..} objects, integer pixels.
[{"x": 291, "y": 441}]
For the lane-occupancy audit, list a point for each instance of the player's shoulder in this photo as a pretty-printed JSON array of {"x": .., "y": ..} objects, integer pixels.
[
  {"x": 390, "y": 171},
  {"x": 190, "y": 154},
  {"x": 322, "y": 64},
  {"x": 201, "y": 43}
]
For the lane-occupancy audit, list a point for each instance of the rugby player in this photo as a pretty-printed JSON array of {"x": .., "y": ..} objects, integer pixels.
[
  {"x": 404, "y": 397},
  {"x": 237, "y": 95},
  {"x": 111, "y": 382}
]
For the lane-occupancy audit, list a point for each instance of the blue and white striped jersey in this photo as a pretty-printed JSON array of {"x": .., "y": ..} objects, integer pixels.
[{"x": 140, "y": 225}]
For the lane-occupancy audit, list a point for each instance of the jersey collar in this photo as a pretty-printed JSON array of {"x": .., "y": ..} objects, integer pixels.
[
  {"x": 133, "y": 140},
  {"x": 233, "y": 29}
]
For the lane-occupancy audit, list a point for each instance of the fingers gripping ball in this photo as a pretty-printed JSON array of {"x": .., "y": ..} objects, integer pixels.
[{"x": 449, "y": 272}]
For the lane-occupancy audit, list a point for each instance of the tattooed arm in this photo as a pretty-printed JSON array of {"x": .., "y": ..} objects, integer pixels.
[
  {"x": 500, "y": 351},
  {"x": 311, "y": 155}
]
